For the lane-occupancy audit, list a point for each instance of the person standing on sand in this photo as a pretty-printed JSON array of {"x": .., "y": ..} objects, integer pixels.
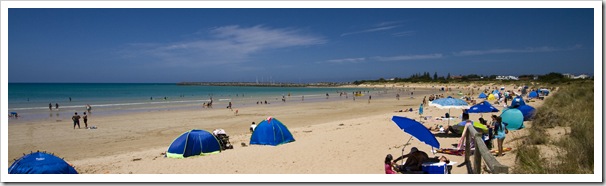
[
  {"x": 369, "y": 97},
  {"x": 50, "y": 106},
  {"x": 500, "y": 132},
  {"x": 229, "y": 106},
  {"x": 85, "y": 118},
  {"x": 76, "y": 119},
  {"x": 57, "y": 106},
  {"x": 398, "y": 96}
]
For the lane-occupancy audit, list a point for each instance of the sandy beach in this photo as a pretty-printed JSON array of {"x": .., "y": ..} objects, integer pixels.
[{"x": 334, "y": 137}]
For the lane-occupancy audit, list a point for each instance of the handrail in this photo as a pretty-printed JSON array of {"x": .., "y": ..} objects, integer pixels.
[{"x": 481, "y": 152}]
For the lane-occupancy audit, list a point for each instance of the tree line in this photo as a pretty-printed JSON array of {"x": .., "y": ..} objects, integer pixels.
[{"x": 552, "y": 77}]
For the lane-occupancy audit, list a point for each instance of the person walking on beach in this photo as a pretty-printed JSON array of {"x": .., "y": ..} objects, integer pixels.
[
  {"x": 85, "y": 118},
  {"x": 76, "y": 119},
  {"x": 57, "y": 106},
  {"x": 369, "y": 97},
  {"x": 398, "y": 96},
  {"x": 50, "y": 106},
  {"x": 88, "y": 108},
  {"x": 229, "y": 106}
]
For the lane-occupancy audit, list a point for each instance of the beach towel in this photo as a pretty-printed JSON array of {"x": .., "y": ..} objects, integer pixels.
[
  {"x": 504, "y": 150},
  {"x": 456, "y": 152}
]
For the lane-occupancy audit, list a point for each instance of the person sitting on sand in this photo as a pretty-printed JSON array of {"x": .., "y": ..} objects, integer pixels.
[
  {"x": 414, "y": 161},
  {"x": 253, "y": 126},
  {"x": 389, "y": 165}
]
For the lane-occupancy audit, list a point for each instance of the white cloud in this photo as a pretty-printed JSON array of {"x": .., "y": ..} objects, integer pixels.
[
  {"x": 370, "y": 30},
  {"x": 227, "y": 44},
  {"x": 405, "y": 33},
  {"x": 347, "y": 60},
  {"x": 408, "y": 57},
  {"x": 503, "y": 51}
]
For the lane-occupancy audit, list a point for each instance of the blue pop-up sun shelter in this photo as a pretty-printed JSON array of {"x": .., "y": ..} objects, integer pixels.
[
  {"x": 41, "y": 163},
  {"x": 271, "y": 132},
  {"x": 192, "y": 143},
  {"x": 533, "y": 94},
  {"x": 482, "y": 96},
  {"x": 527, "y": 111},
  {"x": 517, "y": 101}
]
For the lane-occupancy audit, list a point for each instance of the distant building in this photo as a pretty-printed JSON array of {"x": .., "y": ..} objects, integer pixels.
[
  {"x": 569, "y": 76},
  {"x": 572, "y": 76},
  {"x": 507, "y": 78},
  {"x": 582, "y": 76}
]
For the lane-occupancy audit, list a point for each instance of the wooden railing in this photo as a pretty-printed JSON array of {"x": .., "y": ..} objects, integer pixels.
[{"x": 481, "y": 152}]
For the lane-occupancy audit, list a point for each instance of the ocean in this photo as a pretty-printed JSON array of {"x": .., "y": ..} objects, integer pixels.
[{"x": 31, "y": 100}]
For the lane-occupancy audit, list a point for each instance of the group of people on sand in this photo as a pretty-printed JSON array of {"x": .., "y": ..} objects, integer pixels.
[
  {"x": 76, "y": 119},
  {"x": 497, "y": 129},
  {"x": 414, "y": 162}
]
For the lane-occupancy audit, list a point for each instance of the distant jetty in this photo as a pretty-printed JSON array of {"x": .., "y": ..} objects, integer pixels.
[{"x": 254, "y": 84}]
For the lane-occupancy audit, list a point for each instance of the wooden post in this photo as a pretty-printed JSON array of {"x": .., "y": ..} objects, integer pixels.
[
  {"x": 477, "y": 165},
  {"x": 467, "y": 144}
]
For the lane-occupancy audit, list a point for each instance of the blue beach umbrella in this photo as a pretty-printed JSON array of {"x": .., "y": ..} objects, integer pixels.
[
  {"x": 448, "y": 103},
  {"x": 482, "y": 107},
  {"x": 417, "y": 130},
  {"x": 514, "y": 118}
]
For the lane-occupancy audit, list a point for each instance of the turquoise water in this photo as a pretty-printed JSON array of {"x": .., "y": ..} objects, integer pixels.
[{"x": 31, "y": 100}]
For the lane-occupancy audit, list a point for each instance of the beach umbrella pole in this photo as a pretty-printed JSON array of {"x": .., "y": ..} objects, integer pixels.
[{"x": 405, "y": 144}]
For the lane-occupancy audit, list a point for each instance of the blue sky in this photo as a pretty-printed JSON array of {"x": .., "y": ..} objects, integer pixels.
[{"x": 293, "y": 45}]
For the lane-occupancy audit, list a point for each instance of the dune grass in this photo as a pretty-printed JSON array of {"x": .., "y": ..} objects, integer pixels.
[{"x": 572, "y": 106}]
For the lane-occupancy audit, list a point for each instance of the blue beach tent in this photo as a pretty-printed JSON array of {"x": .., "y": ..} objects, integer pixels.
[
  {"x": 482, "y": 95},
  {"x": 527, "y": 111},
  {"x": 41, "y": 163},
  {"x": 517, "y": 101},
  {"x": 192, "y": 143},
  {"x": 271, "y": 132},
  {"x": 533, "y": 94}
]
